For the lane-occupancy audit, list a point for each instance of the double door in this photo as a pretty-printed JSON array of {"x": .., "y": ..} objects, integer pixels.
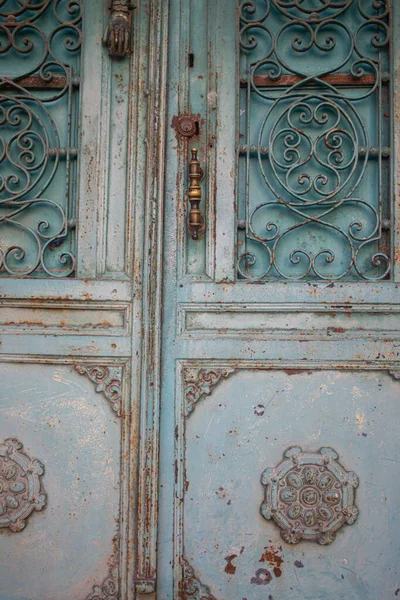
[{"x": 199, "y": 302}]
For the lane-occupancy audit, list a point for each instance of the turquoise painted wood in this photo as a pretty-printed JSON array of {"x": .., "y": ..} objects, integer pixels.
[
  {"x": 280, "y": 360},
  {"x": 66, "y": 304},
  {"x": 209, "y": 419}
]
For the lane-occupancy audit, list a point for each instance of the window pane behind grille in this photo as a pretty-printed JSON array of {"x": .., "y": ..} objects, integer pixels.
[
  {"x": 40, "y": 47},
  {"x": 315, "y": 135}
]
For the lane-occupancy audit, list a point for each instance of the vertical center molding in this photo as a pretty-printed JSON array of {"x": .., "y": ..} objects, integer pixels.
[{"x": 151, "y": 124}]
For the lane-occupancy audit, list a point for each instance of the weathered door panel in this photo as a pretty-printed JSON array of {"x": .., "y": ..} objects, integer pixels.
[
  {"x": 68, "y": 425},
  {"x": 256, "y": 363},
  {"x": 71, "y": 545},
  {"x": 242, "y": 428}
]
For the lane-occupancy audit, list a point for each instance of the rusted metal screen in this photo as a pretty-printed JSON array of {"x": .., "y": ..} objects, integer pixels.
[
  {"x": 315, "y": 140},
  {"x": 39, "y": 102}
]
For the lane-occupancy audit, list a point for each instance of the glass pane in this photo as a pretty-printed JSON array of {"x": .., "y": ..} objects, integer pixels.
[
  {"x": 40, "y": 47},
  {"x": 315, "y": 135}
]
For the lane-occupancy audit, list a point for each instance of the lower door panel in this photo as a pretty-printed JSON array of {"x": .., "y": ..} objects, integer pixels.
[
  {"x": 234, "y": 424},
  {"x": 59, "y": 482}
]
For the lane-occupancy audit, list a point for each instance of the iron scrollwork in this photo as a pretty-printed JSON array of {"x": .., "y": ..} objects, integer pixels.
[
  {"x": 40, "y": 48},
  {"x": 314, "y": 175}
]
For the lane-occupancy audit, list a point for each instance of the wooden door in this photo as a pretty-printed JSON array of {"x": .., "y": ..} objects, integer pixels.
[
  {"x": 280, "y": 361},
  {"x": 68, "y": 411}
]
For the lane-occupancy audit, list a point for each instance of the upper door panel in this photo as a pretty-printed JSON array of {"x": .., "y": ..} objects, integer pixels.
[
  {"x": 295, "y": 131},
  {"x": 315, "y": 141},
  {"x": 64, "y": 140}
]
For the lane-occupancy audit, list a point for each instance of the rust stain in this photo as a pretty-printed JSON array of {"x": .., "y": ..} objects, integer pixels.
[
  {"x": 337, "y": 329},
  {"x": 39, "y": 82},
  {"x": 289, "y": 80},
  {"x": 230, "y": 567},
  {"x": 296, "y": 371},
  {"x": 273, "y": 557},
  {"x": 221, "y": 493}
]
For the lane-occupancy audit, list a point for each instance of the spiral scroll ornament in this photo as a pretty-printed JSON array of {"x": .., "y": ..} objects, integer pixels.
[
  {"x": 40, "y": 47},
  {"x": 314, "y": 169}
]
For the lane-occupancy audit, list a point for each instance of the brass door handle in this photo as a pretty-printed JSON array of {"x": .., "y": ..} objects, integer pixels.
[{"x": 196, "y": 220}]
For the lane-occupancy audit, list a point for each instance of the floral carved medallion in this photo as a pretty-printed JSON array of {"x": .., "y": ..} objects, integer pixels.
[
  {"x": 21, "y": 490},
  {"x": 309, "y": 495}
]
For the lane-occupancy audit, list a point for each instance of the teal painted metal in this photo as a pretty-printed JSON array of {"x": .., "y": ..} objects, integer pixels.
[
  {"x": 316, "y": 131},
  {"x": 39, "y": 86}
]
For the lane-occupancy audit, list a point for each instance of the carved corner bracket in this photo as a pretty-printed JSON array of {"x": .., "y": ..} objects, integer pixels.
[
  {"x": 21, "y": 488},
  {"x": 192, "y": 588},
  {"x": 109, "y": 588},
  {"x": 117, "y": 36},
  {"x": 199, "y": 383},
  {"x": 108, "y": 382}
]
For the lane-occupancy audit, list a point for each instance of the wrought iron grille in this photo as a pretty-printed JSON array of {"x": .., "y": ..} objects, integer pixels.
[
  {"x": 40, "y": 51},
  {"x": 314, "y": 181}
]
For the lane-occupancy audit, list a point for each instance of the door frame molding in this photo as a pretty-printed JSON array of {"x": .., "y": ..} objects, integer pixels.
[{"x": 151, "y": 41}]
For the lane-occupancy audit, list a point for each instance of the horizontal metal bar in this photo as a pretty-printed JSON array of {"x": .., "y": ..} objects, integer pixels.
[
  {"x": 57, "y": 83},
  {"x": 386, "y": 224},
  {"x": 337, "y": 79},
  {"x": 373, "y": 152},
  {"x": 63, "y": 152}
]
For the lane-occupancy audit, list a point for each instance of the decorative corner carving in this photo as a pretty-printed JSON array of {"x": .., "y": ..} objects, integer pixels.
[
  {"x": 117, "y": 36},
  {"x": 21, "y": 489},
  {"x": 109, "y": 589},
  {"x": 200, "y": 383},
  {"x": 395, "y": 374},
  {"x": 108, "y": 382},
  {"x": 309, "y": 495},
  {"x": 192, "y": 588}
]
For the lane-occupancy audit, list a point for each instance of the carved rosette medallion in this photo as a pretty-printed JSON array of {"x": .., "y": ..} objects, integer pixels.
[
  {"x": 309, "y": 495},
  {"x": 21, "y": 490}
]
